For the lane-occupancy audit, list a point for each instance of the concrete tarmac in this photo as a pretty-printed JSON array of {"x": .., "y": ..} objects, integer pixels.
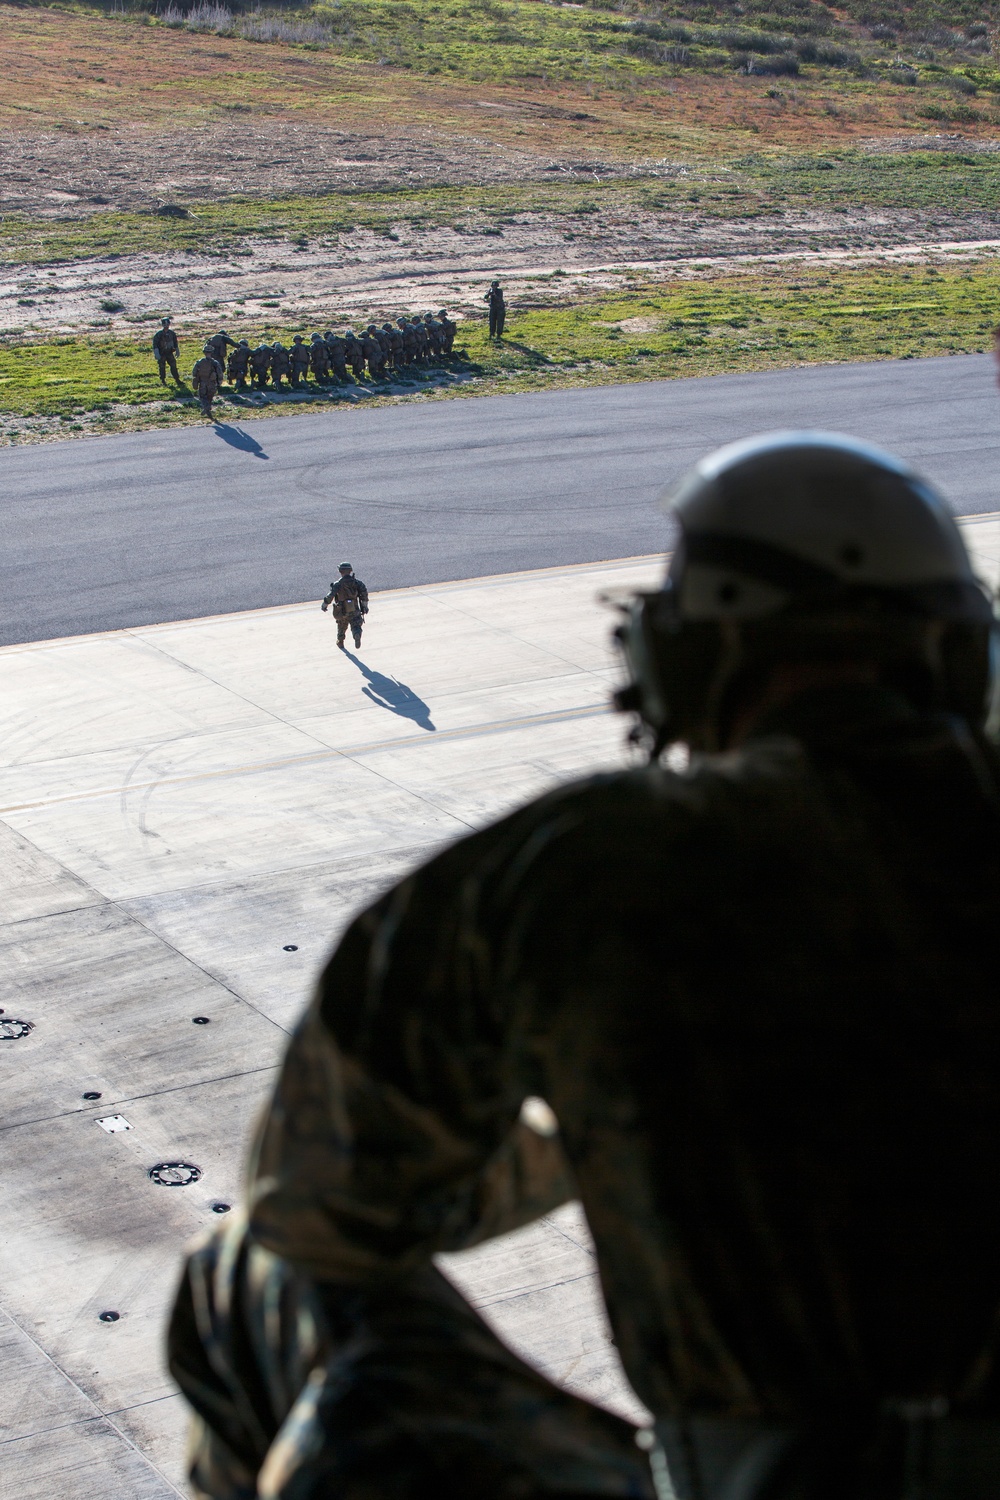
[
  {"x": 147, "y": 527},
  {"x": 190, "y": 815}
]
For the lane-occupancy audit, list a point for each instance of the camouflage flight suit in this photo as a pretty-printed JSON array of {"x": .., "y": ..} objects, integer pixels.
[
  {"x": 760, "y": 997},
  {"x": 166, "y": 348},
  {"x": 349, "y": 598},
  {"x": 206, "y": 378}
]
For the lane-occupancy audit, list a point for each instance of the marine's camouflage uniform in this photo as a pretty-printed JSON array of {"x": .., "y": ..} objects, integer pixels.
[
  {"x": 349, "y": 598},
  {"x": 760, "y": 998},
  {"x": 206, "y": 377}
]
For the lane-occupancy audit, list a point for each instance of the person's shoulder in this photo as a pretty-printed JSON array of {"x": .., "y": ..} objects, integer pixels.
[{"x": 620, "y": 815}]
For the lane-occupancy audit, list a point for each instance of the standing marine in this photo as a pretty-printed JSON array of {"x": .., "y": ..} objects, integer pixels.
[
  {"x": 338, "y": 354},
  {"x": 758, "y": 996},
  {"x": 355, "y": 354},
  {"x": 281, "y": 364},
  {"x": 498, "y": 309},
  {"x": 260, "y": 364},
  {"x": 206, "y": 378},
  {"x": 218, "y": 344},
  {"x": 319, "y": 359},
  {"x": 450, "y": 328},
  {"x": 166, "y": 348},
  {"x": 349, "y": 599},
  {"x": 409, "y": 340},
  {"x": 238, "y": 365},
  {"x": 374, "y": 353},
  {"x": 299, "y": 356}
]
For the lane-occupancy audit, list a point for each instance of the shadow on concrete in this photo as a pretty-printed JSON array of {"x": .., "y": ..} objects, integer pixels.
[
  {"x": 389, "y": 693},
  {"x": 236, "y": 438}
]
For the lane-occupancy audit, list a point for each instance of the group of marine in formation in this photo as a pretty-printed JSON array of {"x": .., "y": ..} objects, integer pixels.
[{"x": 326, "y": 358}]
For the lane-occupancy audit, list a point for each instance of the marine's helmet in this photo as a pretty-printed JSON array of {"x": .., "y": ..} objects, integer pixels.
[
  {"x": 443, "y": 313},
  {"x": 799, "y": 549},
  {"x": 317, "y": 338},
  {"x": 402, "y": 322},
  {"x": 243, "y": 344},
  {"x": 297, "y": 339},
  {"x": 207, "y": 349},
  {"x": 277, "y": 344},
  {"x": 344, "y": 567},
  {"x": 165, "y": 322}
]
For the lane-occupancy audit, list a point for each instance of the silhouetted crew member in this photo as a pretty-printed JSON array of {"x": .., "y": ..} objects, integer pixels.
[
  {"x": 218, "y": 344},
  {"x": 206, "y": 378},
  {"x": 166, "y": 348},
  {"x": 239, "y": 364},
  {"x": 349, "y": 598},
  {"x": 450, "y": 328},
  {"x": 260, "y": 364},
  {"x": 319, "y": 359},
  {"x": 760, "y": 997},
  {"x": 299, "y": 356},
  {"x": 498, "y": 310},
  {"x": 281, "y": 364}
]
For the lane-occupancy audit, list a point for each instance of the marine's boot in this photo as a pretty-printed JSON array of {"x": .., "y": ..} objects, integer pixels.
[
  {"x": 357, "y": 642},
  {"x": 340, "y": 643}
]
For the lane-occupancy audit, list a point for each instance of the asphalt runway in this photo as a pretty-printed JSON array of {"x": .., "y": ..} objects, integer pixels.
[{"x": 106, "y": 533}]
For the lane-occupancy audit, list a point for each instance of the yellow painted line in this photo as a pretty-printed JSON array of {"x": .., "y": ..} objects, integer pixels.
[{"x": 316, "y": 757}]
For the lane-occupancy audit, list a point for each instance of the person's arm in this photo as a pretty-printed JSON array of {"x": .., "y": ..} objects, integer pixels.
[
  {"x": 394, "y": 1130},
  {"x": 362, "y": 597}
]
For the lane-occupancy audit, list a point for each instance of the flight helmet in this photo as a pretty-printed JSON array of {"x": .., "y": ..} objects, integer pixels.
[{"x": 805, "y": 548}]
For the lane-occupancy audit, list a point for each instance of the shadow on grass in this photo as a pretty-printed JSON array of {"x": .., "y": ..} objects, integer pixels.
[{"x": 533, "y": 357}]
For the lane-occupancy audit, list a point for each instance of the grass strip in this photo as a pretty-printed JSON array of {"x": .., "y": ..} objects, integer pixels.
[{"x": 793, "y": 314}]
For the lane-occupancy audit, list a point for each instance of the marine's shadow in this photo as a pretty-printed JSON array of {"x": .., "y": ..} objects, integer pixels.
[
  {"x": 390, "y": 693},
  {"x": 236, "y": 438}
]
